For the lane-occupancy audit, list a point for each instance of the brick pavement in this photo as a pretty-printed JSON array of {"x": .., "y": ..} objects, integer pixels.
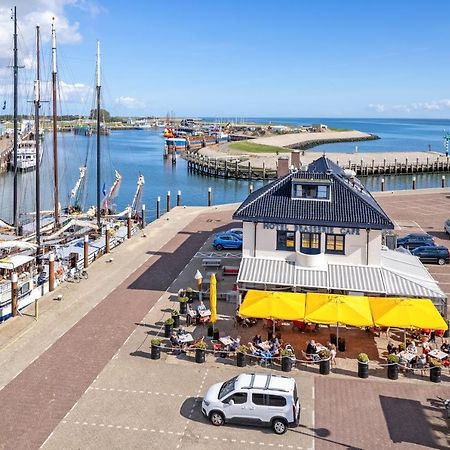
[
  {"x": 39, "y": 397},
  {"x": 369, "y": 414}
]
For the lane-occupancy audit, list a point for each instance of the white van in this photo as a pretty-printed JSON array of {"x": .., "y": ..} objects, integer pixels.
[{"x": 258, "y": 399}]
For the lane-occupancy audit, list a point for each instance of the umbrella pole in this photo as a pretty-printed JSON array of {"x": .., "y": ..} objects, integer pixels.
[{"x": 337, "y": 337}]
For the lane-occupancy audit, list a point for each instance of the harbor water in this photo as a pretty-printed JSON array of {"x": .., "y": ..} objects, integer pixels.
[{"x": 135, "y": 152}]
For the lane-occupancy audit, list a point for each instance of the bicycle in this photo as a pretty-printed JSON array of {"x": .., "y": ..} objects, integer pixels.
[{"x": 75, "y": 275}]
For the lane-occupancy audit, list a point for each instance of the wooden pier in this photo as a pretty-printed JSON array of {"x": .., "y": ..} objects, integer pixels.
[
  {"x": 226, "y": 167},
  {"x": 242, "y": 167}
]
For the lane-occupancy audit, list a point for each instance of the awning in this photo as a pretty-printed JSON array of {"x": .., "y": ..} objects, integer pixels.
[
  {"x": 338, "y": 309},
  {"x": 273, "y": 305},
  {"x": 405, "y": 277},
  {"x": 406, "y": 313},
  {"x": 12, "y": 262}
]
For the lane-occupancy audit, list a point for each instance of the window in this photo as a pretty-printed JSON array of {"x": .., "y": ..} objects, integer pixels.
[
  {"x": 310, "y": 243},
  {"x": 258, "y": 399},
  {"x": 276, "y": 400},
  {"x": 335, "y": 243},
  {"x": 311, "y": 191},
  {"x": 238, "y": 398},
  {"x": 286, "y": 240}
]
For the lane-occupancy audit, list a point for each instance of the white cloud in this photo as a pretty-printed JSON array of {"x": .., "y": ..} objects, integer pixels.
[
  {"x": 430, "y": 106},
  {"x": 75, "y": 92},
  {"x": 128, "y": 102}
]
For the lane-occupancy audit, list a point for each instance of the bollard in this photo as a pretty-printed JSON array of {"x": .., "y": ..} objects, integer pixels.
[
  {"x": 414, "y": 183},
  {"x": 14, "y": 279},
  {"x": 209, "y": 196},
  {"x": 129, "y": 225},
  {"x": 168, "y": 201},
  {"x": 51, "y": 272},
  {"x": 143, "y": 216},
  {"x": 107, "y": 236},
  {"x": 179, "y": 198},
  {"x": 382, "y": 184},
  {"x": 250, "y": 188},
  {"x": 158, "y": 207},
  {"x": 443, "y": 181},
  {"x": 86, "y": 251}
]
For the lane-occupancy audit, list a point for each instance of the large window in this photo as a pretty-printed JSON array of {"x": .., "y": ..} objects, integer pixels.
[
  {"x": 335, "y": 243},
  {"x": 311, "y": 191},
  {"x": 286, "y": 240},
  {"x": 310, "y": 243}
]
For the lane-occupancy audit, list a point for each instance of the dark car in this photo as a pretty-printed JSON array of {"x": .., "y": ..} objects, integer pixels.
[
  {"x": 414, "y": 240},
  {"x": 432, "y": 254}
]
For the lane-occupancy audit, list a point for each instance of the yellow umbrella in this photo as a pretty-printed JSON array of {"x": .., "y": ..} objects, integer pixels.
[
  {"x": 340, "y": 309},
  {"x": 213, "y": 298},
  {"x": 273, "y": 305},
  {"x": 406, "y": 313}
]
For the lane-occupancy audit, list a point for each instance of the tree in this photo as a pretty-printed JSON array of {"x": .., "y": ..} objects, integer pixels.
[{"x": 104, "y": 115}]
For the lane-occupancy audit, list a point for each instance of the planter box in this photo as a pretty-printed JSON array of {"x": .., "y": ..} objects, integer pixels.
[
  {"x": 200, "y": 355},
  {"x": 392, "y": 371},
  {"x": 167, "y": 330},
  {"x": 155, "y": 352},
  {"x": 363, "y": 369},
  {"x": 216, "y": 335},
  {"x": 176, "y": 321},
  {"x": 210, "y": 332},
  {"x": 324, "y": 367},
  {"x": 286, "y": 363},
  {"x": 435, "y": 374},
  {"x": 241, "y": 359},
  {"x": 183, "y": 307}
]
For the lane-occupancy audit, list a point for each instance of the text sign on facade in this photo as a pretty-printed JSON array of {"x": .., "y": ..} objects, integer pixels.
[{"x": 309, "y": 228}]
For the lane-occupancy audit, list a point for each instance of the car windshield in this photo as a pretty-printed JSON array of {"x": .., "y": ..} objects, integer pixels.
[{"x": 226, "y": 388}]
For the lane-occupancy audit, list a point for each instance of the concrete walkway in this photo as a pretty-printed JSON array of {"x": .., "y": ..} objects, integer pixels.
[{"x": 47, "y": 365}]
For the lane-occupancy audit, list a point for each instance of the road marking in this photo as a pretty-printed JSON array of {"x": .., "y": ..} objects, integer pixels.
[{"x": 133, "y": 391}]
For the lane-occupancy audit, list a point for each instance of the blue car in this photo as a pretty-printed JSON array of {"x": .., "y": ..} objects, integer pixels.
[
  {"x": 414, "y": 240},
  {"x": 227, "y": 240},
  {"x": 432, "y": 254}
]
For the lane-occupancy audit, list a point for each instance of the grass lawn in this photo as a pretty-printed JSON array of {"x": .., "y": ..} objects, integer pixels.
[{"x": 249, "y": 146}]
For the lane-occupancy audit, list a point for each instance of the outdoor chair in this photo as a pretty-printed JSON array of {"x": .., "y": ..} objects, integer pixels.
[
  {"x": 216, "y": 346},
  {"x": 241, "y": 321}
]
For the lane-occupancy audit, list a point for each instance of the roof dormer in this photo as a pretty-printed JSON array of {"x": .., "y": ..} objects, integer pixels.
[{"x": 314, "y": 189}]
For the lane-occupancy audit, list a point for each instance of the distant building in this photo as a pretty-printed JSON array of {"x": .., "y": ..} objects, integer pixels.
[
  {"x": 318, "y": 127},
  {"x": 320, "y": 230}
]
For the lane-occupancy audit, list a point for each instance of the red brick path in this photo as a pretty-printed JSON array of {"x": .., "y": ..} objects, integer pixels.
[{"x": 36, "y": 400}]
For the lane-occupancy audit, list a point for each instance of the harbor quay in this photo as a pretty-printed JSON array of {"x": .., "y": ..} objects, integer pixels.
[{"x": 84, "y": 376}]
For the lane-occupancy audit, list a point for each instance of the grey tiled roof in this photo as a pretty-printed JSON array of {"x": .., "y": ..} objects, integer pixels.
[{"x": 351, "y": 204}]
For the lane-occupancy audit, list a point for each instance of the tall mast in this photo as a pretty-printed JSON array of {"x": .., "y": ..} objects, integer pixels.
[
  {"x": 55, "y": 128},
  {"x": 37, "y": 105},
  {"x": 15, "y": 138},
  {"x": 98, "y": 136}
]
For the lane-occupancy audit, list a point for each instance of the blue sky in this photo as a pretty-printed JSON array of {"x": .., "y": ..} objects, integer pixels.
[{"x": 252, "y": 58}]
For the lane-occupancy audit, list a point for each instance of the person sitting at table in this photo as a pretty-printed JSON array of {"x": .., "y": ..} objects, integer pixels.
[
  {"x": 426, "y": 346},
  {"x": 445, "y": 347},
  {"x": 235, "y": 343},
  {"x": 274, "y": 347},
  {"x": 412, "y": 348},
  {"x": 421, "y": 363},
  {"x": 311, "y": 350},
  {"x": 403, "y": 363},
  {"x": 257, "y": 339},
  {"x": 391, "y": 348},
  {"x": 201, "y": 306}
]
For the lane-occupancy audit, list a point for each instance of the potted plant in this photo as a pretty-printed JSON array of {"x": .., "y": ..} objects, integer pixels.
[
  {"x": 183, "y": 304},
  {"x": 210, "y": 330},
  {"x": 286, "y": 360},
  {"x": 200, "y": 351},
  {"x": 363, "y": 365},
  {"x": 216, "y": 334},
  {"x": 435, "y": 370},
  {"x": 241, "y": 355},
  {"x": 168, "y": 327},
  {"x": 392, "y": 367},
  {"x": 176, "y": 318},
  {"x": 155, "y": 348},
  {"x": 190, "y": 294},
  {"x": 324, "y": 364}
]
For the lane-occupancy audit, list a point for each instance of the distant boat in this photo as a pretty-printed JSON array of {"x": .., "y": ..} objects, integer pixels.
[
  {"x": 142, "y": 125},
  {"x": 26, "y": 156},
  {"x": 83, "y": 130}
]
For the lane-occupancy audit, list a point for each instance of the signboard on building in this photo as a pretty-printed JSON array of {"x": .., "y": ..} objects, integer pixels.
[{"x": 310, "y": 228}]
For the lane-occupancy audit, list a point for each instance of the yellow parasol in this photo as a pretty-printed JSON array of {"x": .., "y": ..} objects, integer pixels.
[{"x": 213, "y": 297}]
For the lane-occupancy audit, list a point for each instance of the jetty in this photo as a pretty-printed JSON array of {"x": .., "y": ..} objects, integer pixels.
[{"x": 5, "y": 152}]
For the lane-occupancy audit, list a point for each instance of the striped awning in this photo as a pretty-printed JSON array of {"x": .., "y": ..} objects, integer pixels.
[{"x": 366, "y": 279}]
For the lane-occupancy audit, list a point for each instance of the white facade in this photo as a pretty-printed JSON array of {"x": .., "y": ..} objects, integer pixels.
[{"x": 361, "y": 247}]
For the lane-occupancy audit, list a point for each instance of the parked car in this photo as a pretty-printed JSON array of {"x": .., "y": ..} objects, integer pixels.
[
  {"x": 432, "y": 254},
  {"x": 259, "y": 399},
  {"x": 234, "y": 231},
  {"x": 226, "y": 240},
  {"x": 447, "y": 226},
  {"x": 414, "y": 240}
]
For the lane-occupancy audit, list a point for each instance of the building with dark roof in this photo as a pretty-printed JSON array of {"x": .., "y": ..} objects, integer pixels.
[{"x": 319, "y": 228}]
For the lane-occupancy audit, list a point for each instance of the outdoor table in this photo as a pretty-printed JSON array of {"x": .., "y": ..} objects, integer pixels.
[
  {"x": 226, "y": 340},
  {"x": 438, "y": 354},
  {"x": 408, "y": 356},
  {"x": 204, "y": 313},
  {"x": 185, "y": 338}
]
